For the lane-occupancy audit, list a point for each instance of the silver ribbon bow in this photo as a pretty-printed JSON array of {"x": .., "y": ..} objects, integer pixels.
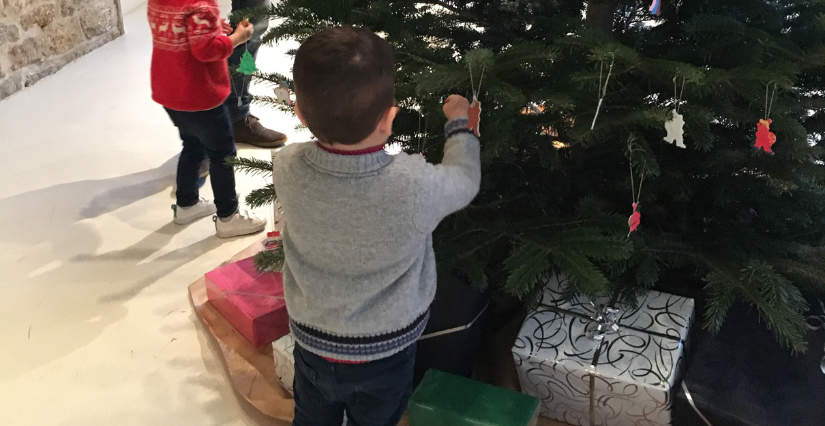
[{"x": 605, "y": 321}]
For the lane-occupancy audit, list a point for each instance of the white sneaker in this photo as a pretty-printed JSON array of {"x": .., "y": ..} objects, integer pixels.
[
  {"x": 185, "y": 215},
  {"x": 239, "y": 224}
]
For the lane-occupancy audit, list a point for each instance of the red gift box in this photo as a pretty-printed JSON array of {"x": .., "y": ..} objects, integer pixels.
[{"x": 253, "y": 302}]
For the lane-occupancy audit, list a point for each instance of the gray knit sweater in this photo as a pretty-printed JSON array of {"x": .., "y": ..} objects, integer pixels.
[{"x": 359, "y": 274}]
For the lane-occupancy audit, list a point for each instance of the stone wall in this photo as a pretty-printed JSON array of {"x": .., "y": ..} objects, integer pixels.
[{"x": 38, "y": 37}]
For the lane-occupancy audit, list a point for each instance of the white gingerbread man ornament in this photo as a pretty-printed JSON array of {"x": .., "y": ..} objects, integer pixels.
[{"x": 675, "y": 130}]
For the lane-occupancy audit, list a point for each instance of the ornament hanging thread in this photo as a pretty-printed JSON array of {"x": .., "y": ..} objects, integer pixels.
[
  {"x": 474, "y": 113},
  {"x": 635, "y": 218},
  {"x": 603, "y": 87},
  {"x": 246, "y": 67}
]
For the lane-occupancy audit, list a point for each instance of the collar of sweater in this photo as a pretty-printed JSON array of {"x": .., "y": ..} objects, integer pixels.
[{"x": 366, "y": 162}]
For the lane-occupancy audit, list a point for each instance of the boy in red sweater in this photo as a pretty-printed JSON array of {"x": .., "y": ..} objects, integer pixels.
[{"x": 190, "y": 79}]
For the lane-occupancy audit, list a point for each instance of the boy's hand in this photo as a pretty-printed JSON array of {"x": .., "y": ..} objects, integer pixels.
[
  {"x": 225, "y": 27},
  {"x": 456, "y": 106},
  {"x": 243, "y": 33}
]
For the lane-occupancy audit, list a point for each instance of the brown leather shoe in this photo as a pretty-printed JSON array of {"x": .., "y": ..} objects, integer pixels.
[{"x": 251, "y": 131}]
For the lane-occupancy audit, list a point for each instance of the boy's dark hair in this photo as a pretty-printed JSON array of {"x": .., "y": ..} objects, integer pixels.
[{"x": 344, "y": 83}]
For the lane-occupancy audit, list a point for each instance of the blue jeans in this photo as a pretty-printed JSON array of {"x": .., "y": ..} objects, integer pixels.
[
  {"x": 206, "y": 134},
  {"x": 239, "y": 100},
  {"x": 373, "y": 394}
]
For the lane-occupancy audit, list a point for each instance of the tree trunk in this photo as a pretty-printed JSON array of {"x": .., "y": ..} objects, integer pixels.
[{"x": 600, "y": 15}]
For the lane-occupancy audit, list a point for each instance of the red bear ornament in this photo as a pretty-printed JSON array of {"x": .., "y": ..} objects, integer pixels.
[
  {"x": 764, "y": 136},
  {"x": 635, "y": 219},
  {"x": 475, "y": 117}
]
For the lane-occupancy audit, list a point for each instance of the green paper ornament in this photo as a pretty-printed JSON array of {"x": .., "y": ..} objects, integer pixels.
[{"x": 247, "y": 64}]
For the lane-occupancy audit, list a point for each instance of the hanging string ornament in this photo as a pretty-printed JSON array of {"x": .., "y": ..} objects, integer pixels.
[
  {"x": 246, "y": 67},
  {"x": 635, "y": 218},
  {"x": 656, "y": 7},
  {"x": 474, "y": 112},
  {"x": 675, "y": 126},
  {"x": 283, "y": 94},
  {"x": 603, "y": 88},
  {"x": 247, "y": 63},
  {"x": 477, "y": 58},
  {"x": 764, "y": 137}
]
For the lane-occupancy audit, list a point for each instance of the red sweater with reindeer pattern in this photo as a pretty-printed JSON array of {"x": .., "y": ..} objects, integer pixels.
[{"x": 189, "y": 69}]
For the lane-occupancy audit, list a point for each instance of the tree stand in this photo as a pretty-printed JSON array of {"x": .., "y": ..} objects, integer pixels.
[{"x": 452, "y": 340}]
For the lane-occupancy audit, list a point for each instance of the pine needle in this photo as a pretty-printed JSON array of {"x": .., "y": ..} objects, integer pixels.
[
  {"x": 250, "y": 166},
  {"x": 261, "y": 197},
  {"x": 270, "y": 260}
]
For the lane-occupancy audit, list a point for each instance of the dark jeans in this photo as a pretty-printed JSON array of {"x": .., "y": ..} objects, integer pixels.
[
  {"x": 238, "y": 110},
  {"x": 373, "y": 394},
  {"x": 206, "y": 134}
]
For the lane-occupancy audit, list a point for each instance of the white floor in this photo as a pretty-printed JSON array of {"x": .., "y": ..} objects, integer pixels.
[{"x": 95, "y": 323}]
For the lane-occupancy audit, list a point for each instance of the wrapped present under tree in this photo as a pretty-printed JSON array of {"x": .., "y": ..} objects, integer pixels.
[
  {"x": 285, "y": 361},
  {"x": 594, "y": 364},
  {"x": 252, "y": 301},
  {"x": 448, "y": 400}
]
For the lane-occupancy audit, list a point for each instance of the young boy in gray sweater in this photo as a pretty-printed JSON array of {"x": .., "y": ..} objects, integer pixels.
[{"x": 359, "y": 274}]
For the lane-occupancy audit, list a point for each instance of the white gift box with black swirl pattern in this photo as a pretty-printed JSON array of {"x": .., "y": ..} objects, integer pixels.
[
  {"x": 285, "y": 360},
  {"x": 627, "y": 379}
]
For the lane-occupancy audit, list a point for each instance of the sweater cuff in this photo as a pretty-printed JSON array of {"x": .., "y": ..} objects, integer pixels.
[
  {"x": 228, "y": 46},
  {"x": 455, "y": 124}
]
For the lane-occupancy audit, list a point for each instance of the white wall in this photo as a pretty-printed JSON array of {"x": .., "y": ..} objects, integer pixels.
[{"x": 130, "y": 5}]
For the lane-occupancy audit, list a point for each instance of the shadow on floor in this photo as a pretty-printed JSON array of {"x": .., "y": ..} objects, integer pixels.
[{"x": 56, "y": 281}]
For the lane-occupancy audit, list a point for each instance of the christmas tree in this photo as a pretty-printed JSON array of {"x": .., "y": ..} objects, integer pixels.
[{"x": 575, "y": 99}]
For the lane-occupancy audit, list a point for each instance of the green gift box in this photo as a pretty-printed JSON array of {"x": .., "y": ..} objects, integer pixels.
[{"x": 446, "y": 400}]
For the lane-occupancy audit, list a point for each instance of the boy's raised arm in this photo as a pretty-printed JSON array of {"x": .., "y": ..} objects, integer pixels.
[{"x": 451, "y": 185}]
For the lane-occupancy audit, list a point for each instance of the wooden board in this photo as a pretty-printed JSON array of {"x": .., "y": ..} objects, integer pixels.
[{"x": 251, "y": 371}]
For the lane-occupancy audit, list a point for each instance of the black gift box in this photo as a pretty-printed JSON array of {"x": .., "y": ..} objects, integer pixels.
[
  {"x": 446, "y": 344},
  {"x": 743, "y": 377}
]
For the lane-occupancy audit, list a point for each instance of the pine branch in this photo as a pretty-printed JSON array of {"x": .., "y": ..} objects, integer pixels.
[
  {"x": 270, "y": 260},
  {"x": 643, "y": 162},
  {"x": 715, "y": 24},
  {"x": 548, "y": 155},
  {"x": 459, "y": 12},
  {"x": 779, "y": 302},
  {"x": 582, "y": 241},
  {"x": 274, "y": 103},
  {"x": 473, "y": 268},
  {"x": 581, "y": 272},
  {"x": 533, "y": 54},
  {"x": 261, "y": 197},
  {"x": 442, "y": 78},
  {"x": 272, "y": 79},
  {"x": 251, "y": 166},
  {"x": 721, "y": 298},
  {"x": 256, "y": 13},
  {"x": 526, "y": 266},
  {"x": 647, "y": 268}
]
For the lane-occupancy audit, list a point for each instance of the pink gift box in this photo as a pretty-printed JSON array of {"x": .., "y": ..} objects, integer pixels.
[{"x": 253, "y": 302}]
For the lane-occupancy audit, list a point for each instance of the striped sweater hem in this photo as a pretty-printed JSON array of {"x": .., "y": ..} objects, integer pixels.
[{"x": 357, "y": 348}]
